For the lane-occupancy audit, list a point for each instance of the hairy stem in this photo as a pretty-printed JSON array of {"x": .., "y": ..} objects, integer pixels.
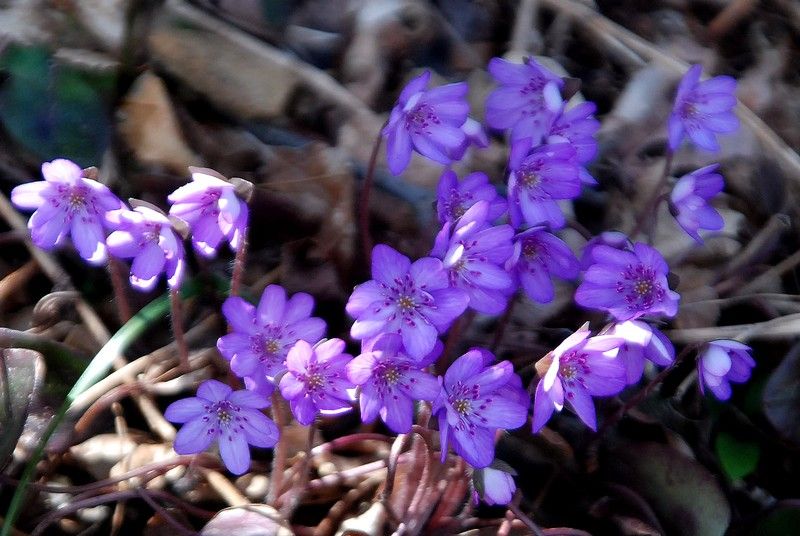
[
  {"x": 239, "y": 263},
  {"x": 644, "y": 220},
  {"x": 176, "y": 316},
  {"x": 363, "y": 205},
  {"x": 118, "y": 283}
]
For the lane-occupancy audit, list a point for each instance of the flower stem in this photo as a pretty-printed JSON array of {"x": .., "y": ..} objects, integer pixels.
[
  {"x": 177, "y": 327},
  {"x": 525, "y": 519},
  {"x": 117, "y": 277},
  {"x": 651, "y": 206},
  {"x": 502, "y": 323},
  {"x": 298, "y": 490},
  {"x": 279, "y": 454},
  {"x": 239, "y": 262},
  {"x": 363, "y": 205}
]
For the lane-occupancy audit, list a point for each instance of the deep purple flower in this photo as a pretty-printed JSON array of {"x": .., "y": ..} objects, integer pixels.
[
  {"x": 527, "y": 100},
  {"x": 538, "y": 180},
  {"x": 146, "y": 235},
  {"x": 391, "y": 381},
  {"x": 231, "y": 417},
  {"x": 316, "y": 380},
  {"x": 67, "y": 204},
  {"x": 212, "y": 209},
  {"x": 614, "y": 239},
  {"x": 577, "y": 126},
  {"x": 628, "y": 284},
  {"x": 454, "y": 198},
  {"x": 702, "y": 109},
  {"x": 428, "y": 121},
  {"x": 475, "y": 403},
  {"x": 262, "y": 336},
  {"x": 473, "y": 253},
  {"x": 689, "y": 201},
  {"x": 722, "y": 362},
  {"x": 642, "y": 342},
  {"x": 581, "y": 367},
  {"x": 414, "y": 300},
  {"x": 493, "y": 486},
  {"x": 539, "y": 256}
]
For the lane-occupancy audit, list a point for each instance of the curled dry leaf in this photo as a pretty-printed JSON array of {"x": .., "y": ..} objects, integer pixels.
[{"x": 250, "y": 520}]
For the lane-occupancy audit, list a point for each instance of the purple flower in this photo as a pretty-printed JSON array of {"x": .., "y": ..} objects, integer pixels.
[
  {"x": 628, "y": 284},
  {"x": 473, "y": 135},
  {"x": 391, "y": 381},
  {"x": 494, "y": 486},
  {"x": 414, "y": 300},
  {"x": 577, "y": 126},
  {"x": 538, "y": 256},
  {"x": 536, "y": 181},
  {"x": 580, "y": 367},
  {"x": 689, "y": 201},
  {"x": 527, "y": 100},
  {"x": 262, "y": 336},
  {"x": 473, "y": 253},
  {"x": 67, "y": 204},
  {"x": 316, "y": 380},
  {"x": 614, "y": 239},
  {"x": 702, "y": 109},
  {"x": 722, "y": 362},
  {"x": 146, "y": 235},
  {"x": 454, "y": 198},
  {"x": 231, "y": 417},
  {"x": 213, "y": 211},
  {"x": 476, "y": 400},
  {"x": 428, "y": 121},
  {"x": 642, "y": 341}
]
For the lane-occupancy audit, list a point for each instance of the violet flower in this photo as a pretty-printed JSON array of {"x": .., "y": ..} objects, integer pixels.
[
  {"x": 628, "y": 284},
  {"x": 577, "y": 126},
  {"x": 230, "y": 417},
  {"x": 473, "y": 253},
  {"x": 316, "y": 381},
  {"x": 538, "y": 257},
  {"x": 702, "y": 109},
  {"x": 454, "y": 198},
  {"x": 538, "y": 180},
  {"x": 689, "y": 201},
  {"x": 493, "y": 486},
  {"x": 414, "y": 300},
  {"x": 146, "y": 235},
  {"x": 473, "y": 135},
  {"x": 262, "y": 336},
  {"x": 210, "y": 206},
  {"x": 426, "y": 120},
  {"x": 615, "y": 239},
  {"x": 580, "y": 367},
  {"x": 641, "y": 342},
  {"x": 722, "y": 362},
  {"x": 527, "y": 100},
  {"x": 67, "y": 204},
  {"x": 390, "y": 381},
  {"x": 474, "y": 403}
]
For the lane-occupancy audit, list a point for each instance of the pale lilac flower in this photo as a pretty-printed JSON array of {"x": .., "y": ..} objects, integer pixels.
[
  {"x": 477, "y": 400},
  {"x": 689, "y": 201},
  {"x": 628, "y": 284},
  {"x": 614, "y": 239},
  {"x": 581, "y": 367},
  {"x": 722, "y": 362},
  {"x": 316, "y": 381},
  {"x": 577, "y": 126},
  {"x": 67, "y": 204},
  {"x": 426, "y": 120},
  {"x": 538, "y": 180},
  {"x": 262, "y": 336},
  {"x": 390, "y": 381},
  {"x": 702, "y": 109},
  {"x": 494, "y": 486},
  {"x": 146, "y": 235},
  {"x": 527, "y": 100},
  {"x": 414, "y": 300},
  {"x": 473, "y": 253},
  {"x": 230, "y": 417},
  {"x": 210, "y": 206},
  {"x": 455, "y": 197},
  {"x": 538, "y": 257},
  {"x": 641, "y": 342},
  {"x": 473, "y": 135}
]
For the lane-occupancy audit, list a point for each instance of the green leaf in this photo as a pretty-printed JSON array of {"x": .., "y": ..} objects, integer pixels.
[{"x": 738, "y": 458}]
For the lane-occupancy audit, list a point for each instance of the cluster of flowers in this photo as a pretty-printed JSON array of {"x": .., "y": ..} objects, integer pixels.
[{"x": 478, "y": 261}]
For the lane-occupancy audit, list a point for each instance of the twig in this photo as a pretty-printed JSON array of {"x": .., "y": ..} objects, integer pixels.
[
  {"x": 227, "y": 491},
  {"x": 524, "y": 25},
  {"x": 727, "y": 19},
  {"x": 785, "y": 327},
  {"x": 165, "y": 515}
]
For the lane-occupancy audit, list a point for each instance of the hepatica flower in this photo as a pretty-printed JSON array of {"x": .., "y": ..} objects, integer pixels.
[
  {"x": 702, "y": 109},
  {"x": 494, "y": 486},
  {"x": 146, "y": 235},
  {"x": 476, "y": 400},
  {"x": 262, "y": 336},
  {"x": 641, "y": 342},
  {"x": 538, "y": 257},
  {"x": 614, "y": 239},
  {"x": 413, "y": 300},
  {"x": 722, "y": 362},
  {"x": 628, "y": 284},
  {"x": 689, "y": 201},
  {"x": 67, "y": 204},
  {"x": 426, "y": 120},
  {"x": 230, "y": 417},
  {"x": 454, "y": 198},
  {"x": 316, "y": 380},
  {"x": 577, "y": 126},
  {"x": 212, "y": 209},
  {"x": 526, "y": 101},
  {"x": 390, "y": 381},
  {"x": 580, "y": 367}
]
